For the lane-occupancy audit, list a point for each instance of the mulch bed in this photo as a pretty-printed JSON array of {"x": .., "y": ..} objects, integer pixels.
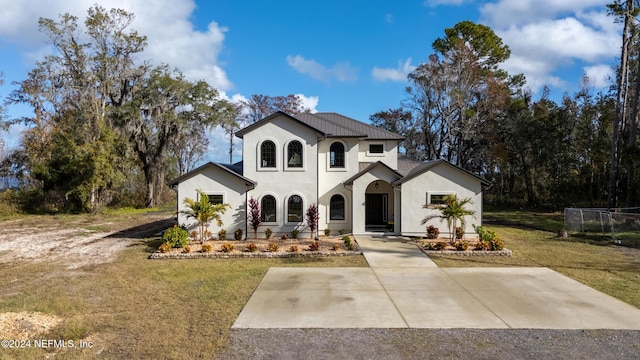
[
  {"x": 328, "y": 246},
  {"x": 451, "y": 250}
]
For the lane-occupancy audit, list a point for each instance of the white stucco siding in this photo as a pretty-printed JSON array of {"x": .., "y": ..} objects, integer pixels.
[
  {"x": 389, "y": 155},
  {"x": 441, "y": 179},
  {"x": 282, "y": 181},
  {"x": 331, "y": 181},
  {"x": 215, "y": 181}
]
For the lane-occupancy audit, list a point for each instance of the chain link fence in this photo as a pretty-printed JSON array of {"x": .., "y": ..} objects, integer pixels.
[{"x": 621, "y": 225}]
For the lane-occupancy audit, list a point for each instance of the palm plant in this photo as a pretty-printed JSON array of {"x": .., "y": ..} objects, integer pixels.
[
  {"x": 454, "y": 210},
  {"x": 204, "y": 212}
]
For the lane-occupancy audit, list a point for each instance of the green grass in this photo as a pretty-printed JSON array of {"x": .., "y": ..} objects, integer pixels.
[{"x": 140, "y": 308}]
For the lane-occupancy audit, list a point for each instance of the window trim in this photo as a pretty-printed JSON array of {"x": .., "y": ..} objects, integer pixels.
[
  {"x": 275, "y": 210},
  {"x": 259, "y": 156},
  {"x": 430, "y": 194},
  {"x": 302, "y": 155},
  {"x": 375, "y": 154},
  {"x": 287, "y": 221},
  {"x": 209, "y": 195},
  {"x": 344, "y": 209},
  {"x": 346, "y": 162}
]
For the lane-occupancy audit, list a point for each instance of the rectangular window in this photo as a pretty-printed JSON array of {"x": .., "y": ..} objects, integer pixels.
[
  {"x": 216, "y": 199},
  {"x": 436, "y": 198},
  {"x": 376, "y": 148}
]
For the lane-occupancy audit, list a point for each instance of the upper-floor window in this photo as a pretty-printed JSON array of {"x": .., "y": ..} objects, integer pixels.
[
  {"x": 294, "y": 209},
  {"x": 376, "y": 148},
  {"x": 294, "y": 154},
  {"x": 336, "y": 155},
  {"x": 268, "y": 154},
  {"x": 268, "y": 208}
]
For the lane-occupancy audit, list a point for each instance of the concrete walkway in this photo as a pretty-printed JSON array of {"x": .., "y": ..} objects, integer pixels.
[{"x": 404, "y": 289}]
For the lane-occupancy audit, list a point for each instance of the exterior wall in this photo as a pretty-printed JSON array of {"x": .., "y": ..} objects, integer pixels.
[
  {"x": 331, "y": 183},
  {"x": 282, "y": 182},
  {"x": 441, "y": 179},
  {"x": 389, "y": 156},
  {"x": 212, "y": 180}
]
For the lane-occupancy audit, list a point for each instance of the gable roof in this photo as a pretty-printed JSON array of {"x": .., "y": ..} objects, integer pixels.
[
  {"x": 426, "y": 166},
  {"x": 330, "y": 125},
  {"x": 227, "y": 168},
  {"x": 371, "y": 166}
]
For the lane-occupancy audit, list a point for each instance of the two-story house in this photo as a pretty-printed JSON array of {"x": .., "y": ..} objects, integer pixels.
[{"x": 351, "y": 170}]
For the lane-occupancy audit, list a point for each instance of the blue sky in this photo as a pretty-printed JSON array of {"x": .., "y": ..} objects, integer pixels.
[{"x": 349, "y": 57}]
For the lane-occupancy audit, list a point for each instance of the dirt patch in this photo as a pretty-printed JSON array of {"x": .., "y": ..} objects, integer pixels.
[
  {"x": 26, "y": 325},
  {"x": 74, "y": 243}
]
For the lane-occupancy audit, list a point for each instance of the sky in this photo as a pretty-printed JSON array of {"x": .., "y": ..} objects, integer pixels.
[{"x": 346, "y": 56}]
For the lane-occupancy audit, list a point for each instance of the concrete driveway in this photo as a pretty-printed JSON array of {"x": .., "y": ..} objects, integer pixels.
[{"x": 403, "y": 288}]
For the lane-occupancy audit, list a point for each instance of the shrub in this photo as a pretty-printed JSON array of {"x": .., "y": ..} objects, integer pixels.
[
  {"x": 284, "y": 237},
  {"x": 461, "y": 245},
  {"x": 186, "y": 249},
  {"x": 227, "y": 248},
  {"x": 314, "y": 246},
  {"x": 432, "y": 232},
  {"x": 496, "y": 244},
  {"x": 440, "y": 245},
  {"x": 294, "y": 248},
  {"x": 312, "y": 216},
  {"x": 487, "y": 239},
  {"x": 268, "y": 233},
  {"x": 193, "y": 234},
  {"x": 294, "y": 233},
  {"x": 251, "y": 247},
  {"x": 208, "y": 235},
  {"x": 482, "y": 245},
  {"x": 428, "y": 245},
  {"x": 273, "y": 247},
  {"x": 459, "y": 232},
  {"x": 166, "y": 247},
  {"x": 207, "y": 248},
  {"x": 176, "y": 236},
  {"x": 342, "y": 231},
  {"x": 335, "y": 247},
  {"x": 237, "y": 234},
  {"x": 347, "y": 242},
  {"x": 327, "y": 232},
  {"x": 222, "y": 234}
]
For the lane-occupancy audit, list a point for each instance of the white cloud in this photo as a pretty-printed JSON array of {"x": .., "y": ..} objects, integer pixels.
[
  {"x": 398, "y": 74},
  {"x": 340, "y": 71},
  {"x": 309, "y": 102},
  {"x": 509, "y": 12},
  {"x": 172, "y": 38},
  {"x": 546, "y": 35},
  {"x": 600, "y": 76}
]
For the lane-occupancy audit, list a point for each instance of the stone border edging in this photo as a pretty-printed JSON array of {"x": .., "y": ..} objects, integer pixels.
[
  {"x": 503, "y": 252},
  {"x": 249, "y": 255}
]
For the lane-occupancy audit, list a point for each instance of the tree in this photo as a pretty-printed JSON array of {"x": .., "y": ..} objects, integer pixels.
[
  {"x": 261, "y": 106},
  {"x": 163, "y": 106},
  {"x": 204, "y": 212},
  {"x": 453, "y": 211},
  {"x": 75, "y": 88},
  {"x": 255, "y": 217},
  {"x": 312, "y": 216}
]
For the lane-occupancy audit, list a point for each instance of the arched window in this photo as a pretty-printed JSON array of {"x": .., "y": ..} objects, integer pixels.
[
  {"x": 336, "y": 155},
  {"x": 294, "y": 154},
  {"x": 268, "y": 208},
  {"x": 268, "y": 154},
  {"x": 336, "y": 207},
  {"x": 294, "y": 209}
]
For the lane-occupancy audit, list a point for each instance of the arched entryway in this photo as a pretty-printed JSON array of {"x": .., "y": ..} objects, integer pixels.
[{"x": 379, "y": 206}]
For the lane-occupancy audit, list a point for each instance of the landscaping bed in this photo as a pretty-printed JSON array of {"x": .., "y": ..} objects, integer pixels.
[
  {"x": 261, "y": 248},
  {"x": 460, "y": 248}
]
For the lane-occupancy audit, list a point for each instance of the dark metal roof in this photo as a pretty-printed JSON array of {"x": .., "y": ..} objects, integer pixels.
[
  {"x": 350, "y": 180},
  {"x": 406, "y": 164},
  {"x": 424, "y": 167},
  {"x": 227, "y": 168},
  {"x": 330, "y": 125}
]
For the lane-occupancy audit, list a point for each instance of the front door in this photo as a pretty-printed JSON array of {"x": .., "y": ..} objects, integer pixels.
[{"x": 376, "y": 209}]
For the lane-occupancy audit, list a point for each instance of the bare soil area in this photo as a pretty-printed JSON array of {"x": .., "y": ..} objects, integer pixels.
[{"x": 75, "y": 241}]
